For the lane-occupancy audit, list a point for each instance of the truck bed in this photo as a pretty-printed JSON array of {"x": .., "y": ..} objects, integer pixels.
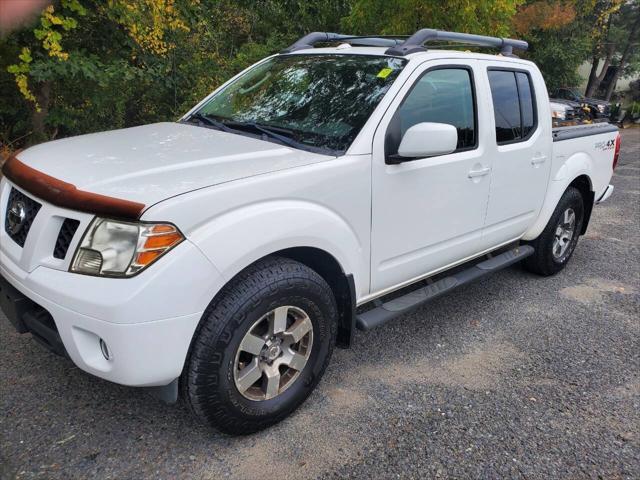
[
  {"x": 585, "y": 148},
  {"x": 576, "y": 131}
]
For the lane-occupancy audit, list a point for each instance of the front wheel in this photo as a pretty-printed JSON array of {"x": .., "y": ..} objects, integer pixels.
[
  {"x": 556, "y": 243},
  {"x": 262, "y": 346}
]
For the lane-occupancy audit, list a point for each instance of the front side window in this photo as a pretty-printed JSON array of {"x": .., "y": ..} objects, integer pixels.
[
  {"x": 513, "y": 105},
  {"x": 444, "y": 95},
  {"x": 317, "y": 101}
]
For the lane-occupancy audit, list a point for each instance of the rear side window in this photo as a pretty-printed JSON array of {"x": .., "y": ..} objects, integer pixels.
[
  {"x": 526, "y": 103},
  {"x": 513, "y": 105},
  {"x": 443, "y": 95}
]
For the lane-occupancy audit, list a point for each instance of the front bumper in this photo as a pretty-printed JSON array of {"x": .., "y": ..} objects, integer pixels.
[
  {"x": 147, "y": 322},
  {"x": 28, "y": 316}
]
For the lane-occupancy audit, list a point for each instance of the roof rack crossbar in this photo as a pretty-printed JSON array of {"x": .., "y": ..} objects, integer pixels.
[
  {"x": 309, "y": 40},
  {"x": 415, "y": 43}
]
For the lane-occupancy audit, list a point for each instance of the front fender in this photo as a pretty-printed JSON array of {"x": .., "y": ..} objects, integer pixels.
[
  {"x": 239, "y": 237},
  {"x": 564, "y": 173}
]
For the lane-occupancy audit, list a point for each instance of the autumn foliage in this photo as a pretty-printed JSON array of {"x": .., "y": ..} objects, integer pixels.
[
  {"x": 544, "y": 15},
  {"x": 89, "y": 65}
]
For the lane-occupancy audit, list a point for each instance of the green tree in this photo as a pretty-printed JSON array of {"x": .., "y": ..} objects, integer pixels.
[
  {"x": 604, "y": 13},
  {"x": 88, "y": 65},
  {"x": 491, "y": 17},
  {"x": 70, "y": 63},
  {"x": 617, "y": 46}
]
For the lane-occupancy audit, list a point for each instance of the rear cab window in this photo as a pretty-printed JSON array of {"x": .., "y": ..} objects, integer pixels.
[{"x": 514, "y": 106}]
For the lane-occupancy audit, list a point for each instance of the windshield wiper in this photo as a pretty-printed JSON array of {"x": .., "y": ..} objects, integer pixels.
[
  {"x": 256, "y": 125},
  {"x": 234, "y": 126},
  {"x": 212, "y": 122},
  {"x": 267, "y": 131}
]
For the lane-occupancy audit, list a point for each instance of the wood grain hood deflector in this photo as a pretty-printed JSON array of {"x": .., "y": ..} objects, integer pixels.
[{"x": 66, "y": 195}]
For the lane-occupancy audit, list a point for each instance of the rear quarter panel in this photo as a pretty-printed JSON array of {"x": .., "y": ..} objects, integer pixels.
[{"x": 590, "y": 155}]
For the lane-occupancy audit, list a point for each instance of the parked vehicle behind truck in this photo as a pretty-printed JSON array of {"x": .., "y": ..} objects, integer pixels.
[
  {"x": 597, "y": 109},
  {"x": 222, "y": 257},
  {"x": 567, "y": 113}
]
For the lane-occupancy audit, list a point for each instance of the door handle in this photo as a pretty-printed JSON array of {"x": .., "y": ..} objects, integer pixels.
[
  {"x": 481, "y": 172},
  {"x": 538, "y": 160}
]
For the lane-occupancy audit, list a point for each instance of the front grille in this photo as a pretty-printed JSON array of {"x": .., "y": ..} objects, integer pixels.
[
  {"x": 67, "y": 231},
  {"x": 21, "y": 203},
  {"x": 573, "y": 114}
]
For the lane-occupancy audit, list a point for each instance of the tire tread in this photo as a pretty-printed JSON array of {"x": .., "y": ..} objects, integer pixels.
[
  {"x": 542, "y": 262},
  {"x": 267, "y": 276}
]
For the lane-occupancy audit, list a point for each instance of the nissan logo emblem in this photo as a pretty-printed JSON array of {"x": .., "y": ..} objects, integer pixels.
[{"x": 16, "y": 216}]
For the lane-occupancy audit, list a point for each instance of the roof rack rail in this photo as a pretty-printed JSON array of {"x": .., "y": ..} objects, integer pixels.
[
  {"x": 401, "y": 45},
  {"x": 309, "y": 40},
  {"x": 415, "y": 43}
]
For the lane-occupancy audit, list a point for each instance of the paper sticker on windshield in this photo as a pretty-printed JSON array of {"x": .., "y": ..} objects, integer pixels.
[{"x": 385, "y": 72}]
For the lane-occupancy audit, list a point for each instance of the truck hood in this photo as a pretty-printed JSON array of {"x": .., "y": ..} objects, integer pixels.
[
  {"x": 150, "y": 163},
  {"x": 595, "y": 101},
  {"x": 569, "y": 103}
]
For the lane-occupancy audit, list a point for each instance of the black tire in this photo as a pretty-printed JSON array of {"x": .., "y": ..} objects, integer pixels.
[
  {"x": 543, "y": 261},
  {"x": 207, "y": 383}
]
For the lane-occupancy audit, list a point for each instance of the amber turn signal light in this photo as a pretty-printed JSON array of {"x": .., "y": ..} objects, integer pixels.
[{"x": 157, "y": 240}]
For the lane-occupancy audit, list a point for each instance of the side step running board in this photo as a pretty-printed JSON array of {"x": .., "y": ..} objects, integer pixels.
[{"x": 398, "y": 306}]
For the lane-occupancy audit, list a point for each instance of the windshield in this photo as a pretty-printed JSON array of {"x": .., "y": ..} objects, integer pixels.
[{"x": 315, "y": 101}]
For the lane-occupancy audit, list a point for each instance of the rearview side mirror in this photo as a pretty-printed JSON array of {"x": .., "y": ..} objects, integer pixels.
[{"x": 426, "y": 140}]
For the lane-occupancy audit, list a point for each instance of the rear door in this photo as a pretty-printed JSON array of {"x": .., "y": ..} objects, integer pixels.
[{"x": 520, "y": 151}]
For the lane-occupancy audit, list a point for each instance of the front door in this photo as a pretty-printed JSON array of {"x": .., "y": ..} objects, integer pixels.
[{"x": 428, "y": 212}]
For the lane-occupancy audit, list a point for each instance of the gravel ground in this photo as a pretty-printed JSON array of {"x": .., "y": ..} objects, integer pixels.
[{"x": 515, "y": 376}]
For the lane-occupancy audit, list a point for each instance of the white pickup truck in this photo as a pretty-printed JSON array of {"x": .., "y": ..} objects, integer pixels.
[{"x": 323, "y": 189}]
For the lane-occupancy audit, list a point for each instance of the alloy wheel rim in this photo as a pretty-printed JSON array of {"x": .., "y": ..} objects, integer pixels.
[
  {"x": 564, "y": 233},
  {"x": 273, "y": 353}
]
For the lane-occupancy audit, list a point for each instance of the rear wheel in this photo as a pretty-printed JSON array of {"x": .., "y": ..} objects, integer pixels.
[
  {"x": 556, "y": 243},
  {"x": 262, "y": 346}
]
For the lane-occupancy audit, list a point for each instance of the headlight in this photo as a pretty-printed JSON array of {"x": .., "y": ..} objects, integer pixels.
[
  {"x": 601, "y": 108},
  {"x": 559, "y": 114},
  {"x": 121, "y": 249}
]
